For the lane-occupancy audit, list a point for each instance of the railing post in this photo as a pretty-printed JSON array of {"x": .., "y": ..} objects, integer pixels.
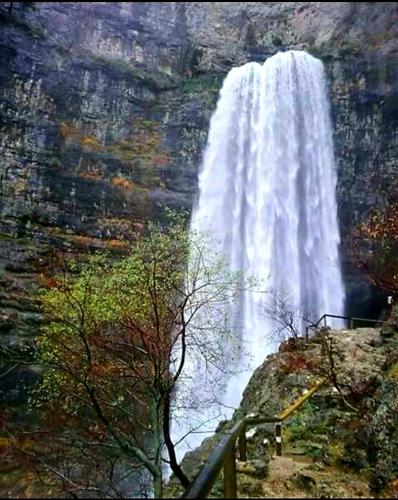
[
  {"x": 266, "y": 443},
  {"x": 230, "y": 489},
  {"x": 351, "y": 324},
  {"x": 242, "y": 445},
  {"x": 324, "y": 321},
  {"x": 278, "y": 439}
]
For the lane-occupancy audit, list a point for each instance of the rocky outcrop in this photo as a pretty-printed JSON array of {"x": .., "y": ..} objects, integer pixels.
[
  {"x": 104, "y": 111},
  {"x": 341, "y": 443}
]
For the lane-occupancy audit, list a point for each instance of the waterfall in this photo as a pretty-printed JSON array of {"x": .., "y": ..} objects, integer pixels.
[{"x": 267, "y": 192}]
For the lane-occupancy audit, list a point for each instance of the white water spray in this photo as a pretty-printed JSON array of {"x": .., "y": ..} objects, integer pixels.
[{"x": 267, "y": 191}]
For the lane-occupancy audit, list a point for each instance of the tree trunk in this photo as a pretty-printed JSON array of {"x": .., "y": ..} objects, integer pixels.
[
  {"x": 175, "y": 467},
  {"x": 158, "y": 485},
  {"x": 157, "y": 448}
]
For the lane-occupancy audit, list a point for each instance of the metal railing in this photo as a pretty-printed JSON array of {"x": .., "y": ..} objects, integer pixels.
[
  {"x": 351, "y": 322},
  {"x": 224, "y": 454}
]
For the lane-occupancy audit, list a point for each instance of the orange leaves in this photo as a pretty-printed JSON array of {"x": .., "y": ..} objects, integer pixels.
[
  {"x": 104, "y": 370},
  {"x": 91, "y": 142},
  {"x": 381, "y": 226},
  {"x": 122, "y": 182},
  {"x": 393, "y": 486},
  {"x": 49, "y": 282},
  {"x": 92, "y": 242},
  {"x": 71, "y": 132},
  {"x": 151, "y": 342},
  {"x": 5, "y": 445},
  {"x": 375, "y": 247},
  {"x": 93, "y": 174},
  {"x": 161, "y": 159},
  {"x": 115, "y": 243},
  {"x": 68, "y": 131},
  {"x": 143, "y": 149},
  {"x": 297, "y": 362}
]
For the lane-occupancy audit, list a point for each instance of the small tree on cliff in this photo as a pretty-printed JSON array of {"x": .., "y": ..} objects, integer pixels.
[
  {"x": 375, "y": 246},
  {"x": 115, "y": 346},
  {"x": 288, "y": 320}
]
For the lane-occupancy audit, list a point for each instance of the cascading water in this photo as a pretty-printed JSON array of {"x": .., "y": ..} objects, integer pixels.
[{"x": 267, "y": 191}]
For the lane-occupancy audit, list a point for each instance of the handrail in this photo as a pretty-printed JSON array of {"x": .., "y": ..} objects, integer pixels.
[
  {"x": 203, "y": 483},
  {"x": 293, "y": 407},
  {"x": 350, "y": 318},
  {"x": 224, "y": 453}
]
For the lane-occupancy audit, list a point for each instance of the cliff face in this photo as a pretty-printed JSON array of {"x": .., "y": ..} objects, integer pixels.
[{"x": 105, "y": 108}]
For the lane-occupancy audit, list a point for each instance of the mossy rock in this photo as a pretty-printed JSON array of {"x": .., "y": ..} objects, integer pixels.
[
  {"x": 305, "y": 479},
  {"x": 393, "y": 372}
]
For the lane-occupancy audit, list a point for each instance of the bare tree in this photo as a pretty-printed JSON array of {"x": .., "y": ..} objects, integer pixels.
[
  {"x": 289, "y": 322},
  {"x": 287, "y": 319}
]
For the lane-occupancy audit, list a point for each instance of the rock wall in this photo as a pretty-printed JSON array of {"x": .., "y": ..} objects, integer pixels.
[{"x": 104, "y": 111}]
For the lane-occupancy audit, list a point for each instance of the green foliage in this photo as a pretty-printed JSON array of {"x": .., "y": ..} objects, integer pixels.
[
  {"x": 112, "y": 347},
  {"x": 153, "y": 79},
  {"x": 383, "y": 436},
  {"x": 203, "y": 83},
  {"x": 373, "y": 447},
  {"x": 350, "y": 48},
  {"x": 306, "y": 423},
  {"x": 5, "y": 236},
  {"x": 319, "y": 428},
  {"x": 92, "y": 302},
  {"x": 55, "y": 162}
]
